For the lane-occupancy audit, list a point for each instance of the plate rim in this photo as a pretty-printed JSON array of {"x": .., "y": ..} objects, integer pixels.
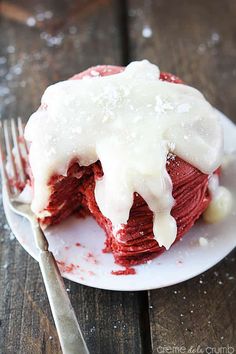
[{"x": 134, "y": 288}]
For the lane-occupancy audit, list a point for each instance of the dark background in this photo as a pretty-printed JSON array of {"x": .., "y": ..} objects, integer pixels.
[{"x": 45, "y": 41}]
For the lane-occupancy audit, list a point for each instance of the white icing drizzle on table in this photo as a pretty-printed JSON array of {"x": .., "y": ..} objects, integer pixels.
[{"x": 130, "y": 122}]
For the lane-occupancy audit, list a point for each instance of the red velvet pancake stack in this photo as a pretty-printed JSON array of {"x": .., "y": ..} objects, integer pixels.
[{"x": 134, "y": 243}]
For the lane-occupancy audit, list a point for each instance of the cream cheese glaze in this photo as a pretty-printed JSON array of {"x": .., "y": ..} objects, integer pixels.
[
  {"x": 130, "y": 122},
  {"x": 221, "y": 201}
]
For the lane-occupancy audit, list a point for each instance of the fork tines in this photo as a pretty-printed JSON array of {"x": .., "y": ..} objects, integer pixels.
[{"x": 13, "y": 154}]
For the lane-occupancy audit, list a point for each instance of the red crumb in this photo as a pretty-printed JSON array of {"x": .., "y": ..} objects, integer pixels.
[
  {"x": 82, "y": 278},
  {"x": 61, "y": 263},
  {"x": 78, "y": 244},
  {"x": 66, "y": 268},
  {"x": 107, "y": 249},
  {"x": 18, "y": 185},
  {"x": 126, "y": 271},
  {"x": 66, "y": 247},
  {"x": 70, "y": 268},
  {"x": 90, "y": 272},
  {"x": 91, "y": 258}
]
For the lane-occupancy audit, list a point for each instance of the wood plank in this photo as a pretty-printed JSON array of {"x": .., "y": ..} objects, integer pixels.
[
  {"x": 199, "y": 312},
  {"x": 72, "y": 36},
  {"x": 195, "y": 40}
]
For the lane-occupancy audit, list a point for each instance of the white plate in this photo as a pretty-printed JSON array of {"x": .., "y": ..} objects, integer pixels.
[{"x": 86, "y": 264}]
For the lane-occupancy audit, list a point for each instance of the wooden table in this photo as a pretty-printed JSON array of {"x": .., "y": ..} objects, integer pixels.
[{"x": 45, "y": 41}]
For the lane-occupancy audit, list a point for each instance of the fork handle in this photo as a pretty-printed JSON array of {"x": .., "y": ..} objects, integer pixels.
[{"x": 70, "y": 336}]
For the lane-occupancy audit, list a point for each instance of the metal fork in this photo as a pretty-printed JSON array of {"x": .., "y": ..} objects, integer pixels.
[{"x": 12, "y": 140}]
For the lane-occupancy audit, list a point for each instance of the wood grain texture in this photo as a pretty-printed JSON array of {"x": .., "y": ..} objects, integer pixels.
[
  {"x": 193, "y": 39},
  {"x": 197, "y": 41},
  {"x": 78, "y": 35}
]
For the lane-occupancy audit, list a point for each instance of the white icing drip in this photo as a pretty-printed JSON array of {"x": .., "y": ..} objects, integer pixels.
[
  {"x": 221, "y": 201},
  {"x": 219, "y": 207},
  {"x": 213, "y": 185},
  {"x": 130, "y": 122}
]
